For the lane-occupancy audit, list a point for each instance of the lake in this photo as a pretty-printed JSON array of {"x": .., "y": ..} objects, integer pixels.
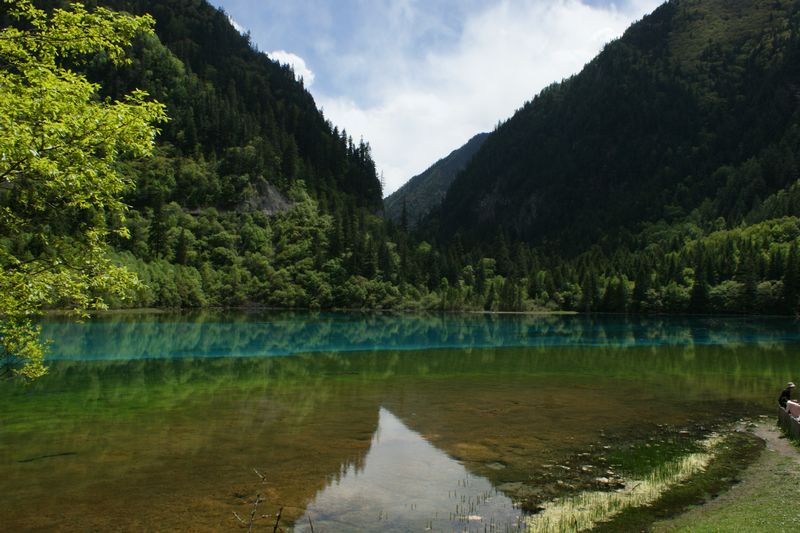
[{"x": 365, "y": 422}]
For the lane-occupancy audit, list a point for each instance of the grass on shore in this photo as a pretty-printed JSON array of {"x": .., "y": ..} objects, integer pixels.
[
  {"x": 766, "y": 500},
  {"x": 666, "y": 491}
]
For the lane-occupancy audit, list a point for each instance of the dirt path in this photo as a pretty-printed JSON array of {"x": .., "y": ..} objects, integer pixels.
[
  {"x": 776, "y": 442},
  {"x": 760, "y": 501}
]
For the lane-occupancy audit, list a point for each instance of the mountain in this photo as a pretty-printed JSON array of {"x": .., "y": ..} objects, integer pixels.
[
  {"x": 425, "y": 191},
  {"x": 245, "y": 118},
  {"x": 230, "y": 103},
  {"x": 693, "y": 112},
  {"x": 252, "y": 196},
  {"x": 664, "y": 178}
]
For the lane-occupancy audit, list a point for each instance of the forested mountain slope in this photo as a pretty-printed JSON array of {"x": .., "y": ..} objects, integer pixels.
[
  {"x": 425, "y": 191},
  {"x": 663, "y": 178},
  {"x": 253, "y": 197},
  {"x": 233, "y": 105},
  {"x": 693, "y": 111}
]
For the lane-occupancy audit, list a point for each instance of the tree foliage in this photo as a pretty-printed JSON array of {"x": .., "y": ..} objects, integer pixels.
[{"x": 59, "y": 185}]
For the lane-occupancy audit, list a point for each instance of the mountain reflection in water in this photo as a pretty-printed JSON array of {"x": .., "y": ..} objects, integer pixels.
[
  {"x": 128, "y": 336},
  {"x": 406, "y": 484}
]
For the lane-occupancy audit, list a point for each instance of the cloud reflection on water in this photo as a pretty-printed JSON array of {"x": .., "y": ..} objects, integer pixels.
[{"x": 405, "y": 483}]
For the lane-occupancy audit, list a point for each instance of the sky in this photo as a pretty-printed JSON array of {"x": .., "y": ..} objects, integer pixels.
[{"x": 418, "y": 78}]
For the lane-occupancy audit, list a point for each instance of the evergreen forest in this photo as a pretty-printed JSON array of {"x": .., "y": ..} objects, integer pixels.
[{"x": 663, "y": 178}]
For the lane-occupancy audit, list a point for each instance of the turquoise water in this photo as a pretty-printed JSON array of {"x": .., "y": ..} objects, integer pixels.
[
  {"x": 124, "y": 337},
  {"x": 363, "y": 422}
]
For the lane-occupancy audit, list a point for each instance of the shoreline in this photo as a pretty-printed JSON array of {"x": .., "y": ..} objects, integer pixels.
[
  {"x": 540, "y": 312},
  {"x": 761, "y": 498},
  {"x": 252, "y": 309}
]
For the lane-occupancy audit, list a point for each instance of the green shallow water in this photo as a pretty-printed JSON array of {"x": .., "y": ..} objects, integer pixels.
[{"x": 157, "y": 422}]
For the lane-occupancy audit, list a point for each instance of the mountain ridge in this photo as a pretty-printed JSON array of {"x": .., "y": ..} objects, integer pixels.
[
  {"x": 234, "y": 104},
  {"x": 640, "y": 132},
  {"x": 424, "y": 191}
]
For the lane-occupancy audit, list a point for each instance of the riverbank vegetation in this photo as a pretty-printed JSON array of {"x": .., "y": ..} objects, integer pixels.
[
  {"x": 308, "y": 258},
  {"x": 664, "y": 489},
  {"x": 760, "y": 499}
]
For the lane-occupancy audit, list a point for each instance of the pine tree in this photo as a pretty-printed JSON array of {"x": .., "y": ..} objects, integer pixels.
[
  {"x": 158, "y": 232},
  {"x": 791, "y": 280},
  {"x": 698, "y": 301},
  {"x": 746, "y": 274},
  {"x": 589, "y": 287},
  {"x": 182, "y": 248},
  {"x": 404, "y": 216},
  {"x": 640, "y": 288}
]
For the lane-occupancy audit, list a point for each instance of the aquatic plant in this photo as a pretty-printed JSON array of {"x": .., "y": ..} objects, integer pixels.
[{"x": 585, "y": 510}]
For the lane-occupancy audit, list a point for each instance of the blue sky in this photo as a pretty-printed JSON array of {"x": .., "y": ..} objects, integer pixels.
[{"x": 418, "y": 78}]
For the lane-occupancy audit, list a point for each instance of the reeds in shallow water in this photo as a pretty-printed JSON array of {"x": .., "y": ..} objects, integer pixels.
[{"x": 585, "y": 510}]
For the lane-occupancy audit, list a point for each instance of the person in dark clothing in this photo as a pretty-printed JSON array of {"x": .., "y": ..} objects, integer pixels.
[{"x": 786, "y": 395}]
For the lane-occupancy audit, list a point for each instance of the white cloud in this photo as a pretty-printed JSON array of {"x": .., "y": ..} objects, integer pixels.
[
  {"x": 238, "y": 27},
  {"x": 297, "y": 63},
  {"x": 419, "y": 111}
]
